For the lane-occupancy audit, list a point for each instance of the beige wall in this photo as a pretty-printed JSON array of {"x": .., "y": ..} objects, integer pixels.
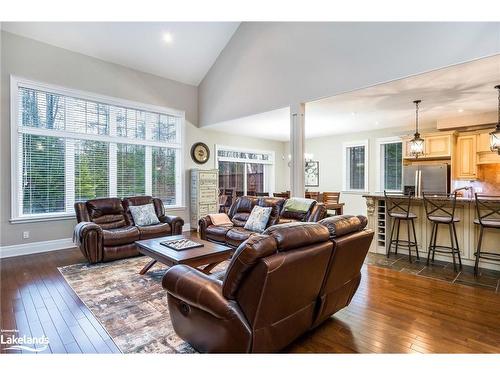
[
  {"x": 38, "y": 61},
  {"x": 328, "y": 151}
]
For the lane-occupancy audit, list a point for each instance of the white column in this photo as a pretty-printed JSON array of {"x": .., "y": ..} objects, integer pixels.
[{"x": 297, "y": 147}]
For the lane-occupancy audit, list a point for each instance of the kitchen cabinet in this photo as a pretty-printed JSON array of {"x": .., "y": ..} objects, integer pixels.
[
  {"x": 465, "y": 158},
  {"x": 484, "y": 154},
  {"x": 436, "y": 145}
]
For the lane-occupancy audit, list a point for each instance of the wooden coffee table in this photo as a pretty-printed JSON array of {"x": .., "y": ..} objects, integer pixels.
[{"x": 210, "y": 255}]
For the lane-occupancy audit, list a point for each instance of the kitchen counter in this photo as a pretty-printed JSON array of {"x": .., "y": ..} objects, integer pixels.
[
  {"x": 467, "y": 231},
  {"x": 381, "y": 196}
]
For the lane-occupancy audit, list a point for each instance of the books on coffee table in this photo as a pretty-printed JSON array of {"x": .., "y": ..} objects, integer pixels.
[{"x": 182, "y": 244}]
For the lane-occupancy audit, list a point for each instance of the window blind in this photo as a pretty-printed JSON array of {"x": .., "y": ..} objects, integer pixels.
[
  {"x": 73, "y": 148},
  {"x": 392, "y": 162},
  {"x": 356, "y": 168}
]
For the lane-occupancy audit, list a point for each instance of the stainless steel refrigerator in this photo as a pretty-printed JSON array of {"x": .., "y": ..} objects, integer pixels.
[{"x": 431, "y": 178}]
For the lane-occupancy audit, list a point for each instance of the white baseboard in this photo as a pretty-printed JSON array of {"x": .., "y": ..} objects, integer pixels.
[
  {"x": 44, "y": 246},
  {"x": 35, "y": 247}
]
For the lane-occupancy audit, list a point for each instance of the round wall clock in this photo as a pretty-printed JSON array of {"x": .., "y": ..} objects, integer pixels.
[{"x": 200, "y": 153}]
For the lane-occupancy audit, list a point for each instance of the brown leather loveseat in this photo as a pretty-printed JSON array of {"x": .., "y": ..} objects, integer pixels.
[
  {"x": 106, "y": 229},
  {"x": 278, "y": 285},
  {"x": 240, "y": 212}
]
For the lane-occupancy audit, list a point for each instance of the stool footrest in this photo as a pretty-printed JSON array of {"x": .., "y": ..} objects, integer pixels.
[{"x": 488, "y": 255}]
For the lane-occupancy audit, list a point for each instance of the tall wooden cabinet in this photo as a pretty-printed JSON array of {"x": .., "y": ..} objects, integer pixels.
[
  {"x": 204, "y": 196},
  {"x": 465, "y": 160}
]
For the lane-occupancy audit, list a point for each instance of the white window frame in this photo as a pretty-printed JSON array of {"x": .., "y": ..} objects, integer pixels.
[
  {"x": 380, "y": 168},
  {"x": 269, "y": 181},
  {"x": 16, "y": 129},
  {"x": 345, "y": 146}
]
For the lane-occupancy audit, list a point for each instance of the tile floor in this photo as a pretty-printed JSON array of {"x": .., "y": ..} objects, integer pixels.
[{"x": 487, "y": 279}]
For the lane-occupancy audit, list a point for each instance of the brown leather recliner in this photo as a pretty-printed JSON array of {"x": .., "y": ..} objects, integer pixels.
[
  {"x": 106, "y": 230},
  {"x": 240, "y": 211},
  {"x": 278, "y": 285}
]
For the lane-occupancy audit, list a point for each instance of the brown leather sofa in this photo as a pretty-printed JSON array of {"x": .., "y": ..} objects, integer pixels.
[
  {"x": 278, "y": 285},
  {"x": 240, "y": 211},
  {"x": 106, "y": 229}
]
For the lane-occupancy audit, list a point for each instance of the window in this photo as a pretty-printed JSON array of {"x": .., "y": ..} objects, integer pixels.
[
  {"x": 72, "y": 146},
  {"x": 245, "y": 171},
  {"x": 390, "y": 164},
  {"x": 355, "y": 157}
]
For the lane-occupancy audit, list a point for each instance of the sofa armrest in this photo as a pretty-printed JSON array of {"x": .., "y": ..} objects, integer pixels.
[
  {"x": 175, "y": 222},
  {"x": 199, "y": 290},
  {"x": 88, "y": 237},
  {"x": 204, "y": 223}
]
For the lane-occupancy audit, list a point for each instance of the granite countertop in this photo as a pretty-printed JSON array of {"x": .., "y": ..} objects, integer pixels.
[{"x": 381, "y": 196}]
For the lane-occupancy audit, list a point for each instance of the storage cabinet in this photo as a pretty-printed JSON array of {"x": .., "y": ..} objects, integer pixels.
[
  {"x": 465, "y": 160},
  {"x": 436, "y": 146},
  {"x": 204, "y": 194}
]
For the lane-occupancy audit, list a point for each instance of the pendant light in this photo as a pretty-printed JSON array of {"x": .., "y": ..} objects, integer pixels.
[
  {"x": 417, "y": 143},
  {"x": 495, "y": 134}
]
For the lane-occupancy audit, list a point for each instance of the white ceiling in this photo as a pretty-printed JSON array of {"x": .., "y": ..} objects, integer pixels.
[
  {"x": 139, "y": 45},
  {"x": 466, "y": 87}
]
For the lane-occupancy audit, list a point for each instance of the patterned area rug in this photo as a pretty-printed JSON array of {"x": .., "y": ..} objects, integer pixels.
[{"x": 131, "y": 307}]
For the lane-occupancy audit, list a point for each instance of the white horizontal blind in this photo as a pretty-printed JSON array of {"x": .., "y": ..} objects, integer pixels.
[{"x": 72, "y": 149}]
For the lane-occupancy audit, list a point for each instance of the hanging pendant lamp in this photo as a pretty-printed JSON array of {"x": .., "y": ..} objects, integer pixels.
[
  {"x": 417, "y": 143},
  {"x": 495, "y": 134}
]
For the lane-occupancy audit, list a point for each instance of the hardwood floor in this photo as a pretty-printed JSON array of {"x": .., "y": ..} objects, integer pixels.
[{"x": 392, "y": 312}]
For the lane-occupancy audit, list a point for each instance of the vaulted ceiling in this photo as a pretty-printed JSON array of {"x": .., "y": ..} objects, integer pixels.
[{"x": 181, "y": 51}]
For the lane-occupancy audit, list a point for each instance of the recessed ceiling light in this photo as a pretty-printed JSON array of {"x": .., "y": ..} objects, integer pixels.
[
  {"x": 460, "y": 110},
  {"x": 376, "y": 122},
  {"x": 353, "y": 113},
  {"x": 167, "y": 38}
]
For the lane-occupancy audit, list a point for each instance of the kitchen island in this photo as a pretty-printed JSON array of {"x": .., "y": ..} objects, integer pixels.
[{"x": 467, "y": 231}]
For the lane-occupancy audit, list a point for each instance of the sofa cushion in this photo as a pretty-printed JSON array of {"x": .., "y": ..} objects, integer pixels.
[
  {"x": 157, "y": 230},
  {"x": 244, "y": 258},
  {"x": 144, "y": 215},
  {"x": 276, "y": 204},
  {"x": 294, "y": 235},
  {"x": 240, "y": 210},
  {"x": 217, "y": 232},
  {"x": 258, "y": 219},
  {"x": 235, "y": 236},
  {"x": 344, "y": 224},
  {"x": 120, "y": 236},
  {"x": 108, "y": 213}
]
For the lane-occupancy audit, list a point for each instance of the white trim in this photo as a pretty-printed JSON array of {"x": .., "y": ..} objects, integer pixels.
[
  {"x": 346, "y": 145},
  {"x": 35, "y": 247},
  {"x": 378, "y": 168}
]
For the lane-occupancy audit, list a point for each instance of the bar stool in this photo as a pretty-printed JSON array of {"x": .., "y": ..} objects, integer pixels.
[
  {"x": 440, "y": 209},
  {"x": 488, "y": 216},
  {"x": 398, "y": 208}
]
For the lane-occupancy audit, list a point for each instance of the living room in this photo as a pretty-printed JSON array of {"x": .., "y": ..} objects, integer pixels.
[{"x": 199, "y": 187}]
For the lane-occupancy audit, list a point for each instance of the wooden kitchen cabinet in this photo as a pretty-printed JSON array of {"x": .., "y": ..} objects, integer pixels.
[
  {"x": 465, "y": 159},
  {"x": 436, "y": 146}
]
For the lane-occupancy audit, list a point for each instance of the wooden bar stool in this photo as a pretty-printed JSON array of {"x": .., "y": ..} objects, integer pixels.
[
  {"x": 440, "y": 209},
  {"x": 488, "y": 216},
  {"x": 398, "y": 208}
]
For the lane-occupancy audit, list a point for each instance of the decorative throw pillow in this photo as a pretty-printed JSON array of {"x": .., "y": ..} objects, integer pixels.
[
  {"x": 258, "y": 219},
  {"x": 144, "y": 215},
  {"x": 220, "y": 219}
]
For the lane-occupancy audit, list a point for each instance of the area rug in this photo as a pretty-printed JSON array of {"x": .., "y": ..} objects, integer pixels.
[{"x": 131, "y": 307}]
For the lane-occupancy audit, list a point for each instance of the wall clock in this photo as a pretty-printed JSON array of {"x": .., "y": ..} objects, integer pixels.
[{"x": 200, "y": 153}]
